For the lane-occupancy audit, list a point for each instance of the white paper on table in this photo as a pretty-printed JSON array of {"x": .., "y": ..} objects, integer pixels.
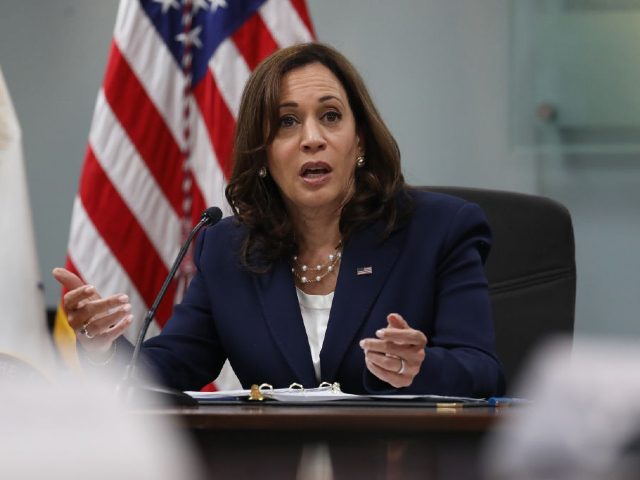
[{"x": 320, "y": 394}]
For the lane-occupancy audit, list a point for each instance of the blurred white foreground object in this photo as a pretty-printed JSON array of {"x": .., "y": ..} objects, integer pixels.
[
  {"x": 584, "y": 421},
  {"x": 78, "y": 430}
]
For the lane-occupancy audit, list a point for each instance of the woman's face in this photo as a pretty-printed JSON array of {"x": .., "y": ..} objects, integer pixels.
[{"x": 313, "y": 155}]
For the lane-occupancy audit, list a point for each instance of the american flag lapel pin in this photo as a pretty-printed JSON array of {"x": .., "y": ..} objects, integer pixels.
[{"x": 364, "y": 270}]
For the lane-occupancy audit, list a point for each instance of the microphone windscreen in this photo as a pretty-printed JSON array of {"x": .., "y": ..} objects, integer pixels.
[{"x": 213, "y": 215}]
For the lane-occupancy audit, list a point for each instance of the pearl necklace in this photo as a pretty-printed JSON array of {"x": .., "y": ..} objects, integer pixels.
[{"x": 305, "y": 275}]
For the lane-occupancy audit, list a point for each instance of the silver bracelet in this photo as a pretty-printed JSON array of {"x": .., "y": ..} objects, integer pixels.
[{"x": 114, "y": 348}]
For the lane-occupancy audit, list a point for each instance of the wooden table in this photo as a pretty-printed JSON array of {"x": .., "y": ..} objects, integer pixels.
[{"x": 352, "y": 442}]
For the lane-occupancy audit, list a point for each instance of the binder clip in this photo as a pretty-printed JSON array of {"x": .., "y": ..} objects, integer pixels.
[
  {"x": 256, "y": 391},
  {"x": 255, "y": 394}
]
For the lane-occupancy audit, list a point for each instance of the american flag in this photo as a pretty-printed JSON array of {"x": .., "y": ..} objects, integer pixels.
[
  {"x": 160, "y": 141},
  {"x": 364, "y": 271}
]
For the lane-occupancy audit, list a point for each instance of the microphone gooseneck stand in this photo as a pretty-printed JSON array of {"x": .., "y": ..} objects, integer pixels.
[{"x": 129, "y": 390}]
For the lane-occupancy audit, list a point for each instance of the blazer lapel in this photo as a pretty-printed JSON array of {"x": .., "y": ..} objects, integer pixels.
[
  {"x": 281, "y": 311},
  {"x": 364, "y": 268}
]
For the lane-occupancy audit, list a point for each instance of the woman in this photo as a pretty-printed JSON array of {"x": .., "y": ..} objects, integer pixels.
[{"x": 331, "y": 269}]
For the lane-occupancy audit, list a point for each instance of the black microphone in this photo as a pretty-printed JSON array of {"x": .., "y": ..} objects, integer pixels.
[{"x": 210, "y": 216}]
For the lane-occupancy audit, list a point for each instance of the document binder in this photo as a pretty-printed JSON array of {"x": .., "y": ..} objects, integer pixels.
[{"x": 327, "y": 394}]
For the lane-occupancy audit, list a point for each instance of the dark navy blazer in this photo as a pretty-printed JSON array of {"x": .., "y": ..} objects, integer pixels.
[{"x": 430, "y": 271}]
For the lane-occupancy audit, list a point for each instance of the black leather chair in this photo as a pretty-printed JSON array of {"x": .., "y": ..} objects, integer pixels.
[{"x": 531, "y": 270}]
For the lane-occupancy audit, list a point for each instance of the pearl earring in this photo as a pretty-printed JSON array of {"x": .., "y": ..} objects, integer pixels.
[
  {"x": 262, "y": 173},
  {"x": 360, "y": 161}
]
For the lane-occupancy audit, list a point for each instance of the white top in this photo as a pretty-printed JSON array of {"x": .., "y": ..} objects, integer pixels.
[{"x": 315, "y": 315}]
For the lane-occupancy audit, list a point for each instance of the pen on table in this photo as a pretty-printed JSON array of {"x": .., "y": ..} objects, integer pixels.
[{"x": 507, "y": 401}]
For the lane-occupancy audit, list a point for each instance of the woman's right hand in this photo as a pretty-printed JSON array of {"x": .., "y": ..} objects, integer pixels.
[{"x": 96, "y": 321}]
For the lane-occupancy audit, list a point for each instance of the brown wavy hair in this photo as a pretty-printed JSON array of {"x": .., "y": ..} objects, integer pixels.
[{"x": 379, "y": 186}]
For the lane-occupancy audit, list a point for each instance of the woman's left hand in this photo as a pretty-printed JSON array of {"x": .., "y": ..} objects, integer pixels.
[{"x": 397, "y": 354}]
